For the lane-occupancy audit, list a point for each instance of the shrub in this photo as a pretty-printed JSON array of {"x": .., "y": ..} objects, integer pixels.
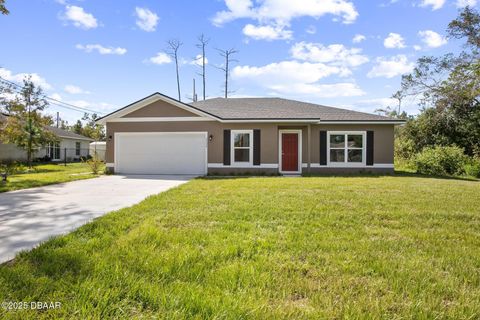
[
  {"x": 404, "y": 148},
  {"x": 473, "y": 168},
  {"x": 86, "y": 158},
  {"x": 8, "y": 168},
  {"x": 43, "y": 159},
  {"x": 441, "y": 160},
  {"x": 95, "y": 164}
]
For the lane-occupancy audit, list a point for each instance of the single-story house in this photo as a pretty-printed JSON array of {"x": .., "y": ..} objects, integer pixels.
[
  {"x": 161, "y": 135},
  {"x": 70, "y": 145}
]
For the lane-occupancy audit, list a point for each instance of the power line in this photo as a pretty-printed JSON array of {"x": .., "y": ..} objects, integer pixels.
[
  {"x": 54, "y": 101},
  {"x": 73, "y": 108}
]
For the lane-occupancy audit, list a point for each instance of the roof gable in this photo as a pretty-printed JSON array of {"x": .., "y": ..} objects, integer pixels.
[
  {"x": 120, "y": 113},
  {"x": 160, "y": 108}
]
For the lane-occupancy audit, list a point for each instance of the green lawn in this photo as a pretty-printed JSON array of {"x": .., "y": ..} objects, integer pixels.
[
  {"x": 44, "y": 174},
  {"x": 389, "y": 247}
]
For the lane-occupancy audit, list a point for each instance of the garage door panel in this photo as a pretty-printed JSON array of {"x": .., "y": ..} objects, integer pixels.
[{"x": 161, "y": 153}]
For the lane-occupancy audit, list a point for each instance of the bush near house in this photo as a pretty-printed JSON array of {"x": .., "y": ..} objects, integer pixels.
[
  {"x": 473, "y": 168},
  {"x": 8, "y": 168},
  {"x": 441, "y": 160}
]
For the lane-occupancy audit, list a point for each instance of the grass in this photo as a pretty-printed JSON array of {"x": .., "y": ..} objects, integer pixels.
[
  {"x": 377, "y": 247},
  {"x": 45, "y": 174}
]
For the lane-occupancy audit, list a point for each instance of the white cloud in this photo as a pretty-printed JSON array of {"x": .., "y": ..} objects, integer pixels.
[
  {"x": 101, "y": 49},
  {"x": 285, "y": 71},
  {"x": 274, "y": 16},
  {"x": 294, "y": 77},
  {"x": 18, "y": 78},
  {"x": 358, "y": 38},
  {"x": 417, "y": 47},
  {"x": 56, "y": 96},
  {"x": 79, "y": 17},
  {"x": 432, "y": 39},
  {"x": 146, "y": 19},
  {"x": 435, "y": 4},
  {"x": 160, "y": 58},
  {"x": 464, "y": 3},
  {"x": 311, "y": 29},
  {"x": 69, "y": 88},
  {"x": 267, "y": 32},
  {"x": 394, "y": 40},
  {"x": 391, "y": 67},
  {"x": 281, "y": 12},
  {"x": 334, "y": 54},
  {"x": 198, "y": 60}
]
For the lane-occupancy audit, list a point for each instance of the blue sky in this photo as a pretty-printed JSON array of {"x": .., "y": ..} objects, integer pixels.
[{"x": 105, "y": 54}]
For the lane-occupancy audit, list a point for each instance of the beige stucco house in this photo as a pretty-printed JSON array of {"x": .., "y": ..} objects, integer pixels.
[{"x": 161, "y": 135}]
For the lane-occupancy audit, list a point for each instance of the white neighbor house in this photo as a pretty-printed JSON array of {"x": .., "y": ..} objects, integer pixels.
[{"x": 71, "y": 145}]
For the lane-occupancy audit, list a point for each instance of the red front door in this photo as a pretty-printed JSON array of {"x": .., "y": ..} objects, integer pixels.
[{"x": 289, "y": 152}]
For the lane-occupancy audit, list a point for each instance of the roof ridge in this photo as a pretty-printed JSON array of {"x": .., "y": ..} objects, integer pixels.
[{"x": 337, "y": 108}]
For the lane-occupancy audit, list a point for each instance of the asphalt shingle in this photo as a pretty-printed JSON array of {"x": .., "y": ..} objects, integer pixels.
[{"x": 278, "y": 108}]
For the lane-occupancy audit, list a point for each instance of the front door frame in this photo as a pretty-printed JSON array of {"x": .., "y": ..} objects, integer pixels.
[{"x": 299, "y": 133}]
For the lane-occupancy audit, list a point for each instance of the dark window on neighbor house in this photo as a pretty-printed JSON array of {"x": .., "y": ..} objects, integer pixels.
[{"x": 77, "y": 148}]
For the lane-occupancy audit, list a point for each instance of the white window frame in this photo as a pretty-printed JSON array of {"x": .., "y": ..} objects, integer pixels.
[
  {"x": 51, "y": 151},
  {"x": 232, "y": 147},
  {"x": 345, "y": 148}
]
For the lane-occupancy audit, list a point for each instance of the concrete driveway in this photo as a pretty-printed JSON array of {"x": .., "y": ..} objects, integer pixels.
[{"x": 30, "y": 216}]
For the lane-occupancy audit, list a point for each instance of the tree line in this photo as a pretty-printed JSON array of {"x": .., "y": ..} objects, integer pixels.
[{"x": 447, "y": 89}]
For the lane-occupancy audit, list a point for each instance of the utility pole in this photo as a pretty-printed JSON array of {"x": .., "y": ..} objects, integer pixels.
[
  {"x": 194, "y": 97},
  {"x": 58, "y": 118}
]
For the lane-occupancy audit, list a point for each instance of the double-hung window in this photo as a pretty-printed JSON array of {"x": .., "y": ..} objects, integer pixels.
[
  {"x": 346, "y": 148},
  {"x": 77, "y": 148},
  {"x": 242, "y": 147}
]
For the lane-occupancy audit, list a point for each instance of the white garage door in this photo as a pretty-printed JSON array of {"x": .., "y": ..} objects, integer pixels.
[{"x": 161, "y": 153}]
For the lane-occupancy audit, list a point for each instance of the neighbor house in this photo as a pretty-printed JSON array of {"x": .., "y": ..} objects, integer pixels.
[
  {"x": 71, "y": 146},
  {"x": 161, "y": 135}
]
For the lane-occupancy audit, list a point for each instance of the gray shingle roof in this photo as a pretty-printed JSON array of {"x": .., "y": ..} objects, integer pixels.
[
  {"x": 68, "y": 134},
  {"x": 278, "y": 108}
]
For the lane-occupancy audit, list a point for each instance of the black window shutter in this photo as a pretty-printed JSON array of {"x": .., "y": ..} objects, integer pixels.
[
  {"x": 226, "y": 147},
  {"x": 323, "y": 148},
  {"x": 369, "y": 148},
  {"x": 256, "y": 147}
]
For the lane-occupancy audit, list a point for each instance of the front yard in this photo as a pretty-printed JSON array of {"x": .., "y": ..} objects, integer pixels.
[
  {"x": 45, "y": 174},
  {"x": 329, "y": 247}
]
